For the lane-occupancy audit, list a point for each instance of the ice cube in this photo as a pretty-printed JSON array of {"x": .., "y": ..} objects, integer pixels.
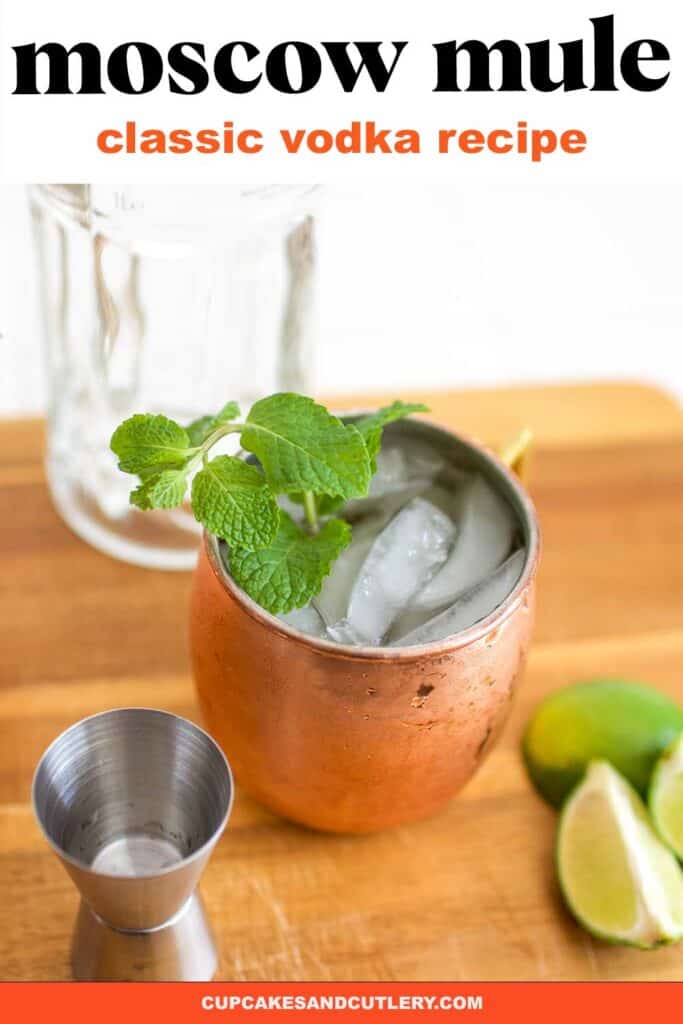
[
  {"x": 408, "y": 551},
  {"x": 475, "y": 604},
  {"x": 406, "y": 464},
  {"x": 306, "y": 620},
  {"x": 344, "y": 633},
  {"x": 333, "y": 600},
  {"x": 448, "y": 494},
  {"x": 404, "y": 471},
  {"x": 385, "y": 506},
  {"x": 486, "y": 529}
]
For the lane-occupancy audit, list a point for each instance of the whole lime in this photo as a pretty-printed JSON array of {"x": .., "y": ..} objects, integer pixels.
[{"x": 622, "y": 722}]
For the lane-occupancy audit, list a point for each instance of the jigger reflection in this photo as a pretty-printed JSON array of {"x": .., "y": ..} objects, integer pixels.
[{"x": 133, "y": 802}]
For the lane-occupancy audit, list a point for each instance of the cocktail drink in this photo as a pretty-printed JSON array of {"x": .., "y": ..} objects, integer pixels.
[
  {"x": 376, "y": 701},
  {"x": 363, "y": 600}
]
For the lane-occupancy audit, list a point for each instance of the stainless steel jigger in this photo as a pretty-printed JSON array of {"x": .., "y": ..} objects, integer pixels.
[{"x": 133, "y": 802}]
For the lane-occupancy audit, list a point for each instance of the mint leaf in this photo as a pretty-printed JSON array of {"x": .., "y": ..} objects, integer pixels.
[
  {"x": 199, "y": 429},
  {"x": 161, "y": 490},
  {"x": 147, "y": 440},
  {"x": 230, "y": 411},
  {"x": 233, "y": 500},
  {"x": 301, "y": 446},
  {"x": 288, "y": 573},
  {"x": 371, "y": 427}
]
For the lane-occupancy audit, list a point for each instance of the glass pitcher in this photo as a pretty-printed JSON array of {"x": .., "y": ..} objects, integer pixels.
[{"x": 168, "y": 299}]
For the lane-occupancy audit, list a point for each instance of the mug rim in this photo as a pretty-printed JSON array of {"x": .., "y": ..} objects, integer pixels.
[
  {"x": 415, "y": 652},
  {"x": 84, "y": 866}
]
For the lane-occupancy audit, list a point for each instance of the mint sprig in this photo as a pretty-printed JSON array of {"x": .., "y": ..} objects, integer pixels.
[{"x": 302, "y": 449}]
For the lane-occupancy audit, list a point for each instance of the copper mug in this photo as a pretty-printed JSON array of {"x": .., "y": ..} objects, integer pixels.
[{"x": 360, "y": 739}]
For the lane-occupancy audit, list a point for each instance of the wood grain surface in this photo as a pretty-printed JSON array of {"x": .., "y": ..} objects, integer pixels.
[{"x": 469, "y": 895}]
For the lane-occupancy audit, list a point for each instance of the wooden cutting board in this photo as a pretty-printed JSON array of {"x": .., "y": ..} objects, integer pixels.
[{"x": 469, "y": 895}]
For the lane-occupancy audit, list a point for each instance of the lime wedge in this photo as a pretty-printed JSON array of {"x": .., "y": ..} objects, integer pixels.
[
  {"x": 618, "y": 879},
  {"x": 666, "y": 797}
]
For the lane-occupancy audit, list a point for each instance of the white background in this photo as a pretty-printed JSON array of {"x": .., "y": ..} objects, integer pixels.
[{"x": 437, "y": 286}]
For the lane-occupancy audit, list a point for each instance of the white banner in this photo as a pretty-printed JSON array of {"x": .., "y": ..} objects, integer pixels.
[{"x": 272, "y": 91}]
